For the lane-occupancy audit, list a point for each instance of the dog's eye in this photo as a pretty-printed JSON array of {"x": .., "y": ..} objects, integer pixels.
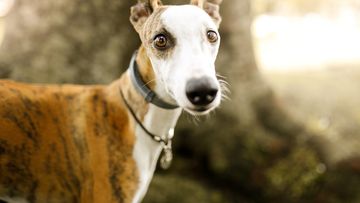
[
  {"x": 160, "y": 41},
  {"x": 212, "y": 36}
]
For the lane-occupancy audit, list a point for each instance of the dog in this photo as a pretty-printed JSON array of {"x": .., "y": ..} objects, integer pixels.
[{"x": 101, "y": 143}]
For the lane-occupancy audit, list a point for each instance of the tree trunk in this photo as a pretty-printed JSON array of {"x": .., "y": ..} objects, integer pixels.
[{"x": 67, "y": 41}]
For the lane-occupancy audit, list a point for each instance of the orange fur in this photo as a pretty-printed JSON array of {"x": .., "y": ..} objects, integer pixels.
[{"x": 69, "y": 143}]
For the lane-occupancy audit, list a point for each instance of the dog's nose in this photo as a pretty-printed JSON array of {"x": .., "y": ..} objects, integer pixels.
[{"x": 201, "y": 91}]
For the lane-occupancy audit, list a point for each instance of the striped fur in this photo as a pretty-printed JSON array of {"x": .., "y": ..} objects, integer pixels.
[{"x": 66, "y": 143}]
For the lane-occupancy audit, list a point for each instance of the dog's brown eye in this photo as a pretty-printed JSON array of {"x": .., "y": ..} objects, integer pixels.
[
  {"x": 212, "y": 36},
  {"x": 160, "y": 41}
]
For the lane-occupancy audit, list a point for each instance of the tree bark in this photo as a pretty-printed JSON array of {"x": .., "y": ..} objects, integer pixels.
[{"x": 67, "y": 41}]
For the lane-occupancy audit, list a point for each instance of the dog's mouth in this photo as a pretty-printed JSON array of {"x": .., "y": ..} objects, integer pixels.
[{"x": 200, "y": 110}]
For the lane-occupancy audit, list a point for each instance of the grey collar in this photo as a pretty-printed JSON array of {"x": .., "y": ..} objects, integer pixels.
[{"x": 148, "y": 94}]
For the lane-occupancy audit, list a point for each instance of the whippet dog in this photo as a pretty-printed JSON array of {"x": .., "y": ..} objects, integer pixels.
[{"x": 101, "y": 144}]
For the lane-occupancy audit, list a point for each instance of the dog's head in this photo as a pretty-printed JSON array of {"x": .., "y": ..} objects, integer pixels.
[{"x": 182, "y": 44}]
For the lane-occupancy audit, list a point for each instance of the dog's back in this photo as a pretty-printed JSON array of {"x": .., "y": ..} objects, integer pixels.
[{"x": 55, "y": 140}]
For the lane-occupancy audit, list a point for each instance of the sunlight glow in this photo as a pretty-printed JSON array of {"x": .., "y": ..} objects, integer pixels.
[
  {"x": 5, "y": 6},
  {"x": 311, "y": 41}
]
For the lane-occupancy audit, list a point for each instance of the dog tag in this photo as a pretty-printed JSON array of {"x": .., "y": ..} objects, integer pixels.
[
  {"x": 167, "y": 155},
  {"x": 166, "y": 159}
]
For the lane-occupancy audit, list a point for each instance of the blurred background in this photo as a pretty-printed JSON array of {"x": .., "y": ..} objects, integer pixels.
[{"x": 289, "y": 133}]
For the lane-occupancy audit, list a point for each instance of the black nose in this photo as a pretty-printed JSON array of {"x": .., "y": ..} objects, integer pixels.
[{"x": 201, "y": 91}]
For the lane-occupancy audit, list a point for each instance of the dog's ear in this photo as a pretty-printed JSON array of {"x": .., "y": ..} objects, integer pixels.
[
  {"x": 212, "y": 7},
  {"x": 155, "y": 3},
  {"x": 199, "y": 3},
  {"x": 140, "y": 12}
]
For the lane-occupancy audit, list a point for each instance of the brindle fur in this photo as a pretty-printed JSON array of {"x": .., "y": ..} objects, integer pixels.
[{"x": 69, "y": 143}]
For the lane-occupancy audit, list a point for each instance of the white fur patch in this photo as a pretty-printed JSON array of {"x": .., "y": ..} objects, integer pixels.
[{"x": 146, "y": 151}]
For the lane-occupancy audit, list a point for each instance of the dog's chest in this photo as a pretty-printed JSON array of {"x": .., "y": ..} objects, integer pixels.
[
  {"x": 146, "y": 153},
  {"x": 146, "y": 150}
]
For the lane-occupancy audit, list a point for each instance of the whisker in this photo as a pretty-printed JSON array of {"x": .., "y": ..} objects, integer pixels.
[
  {"x": 192, "y": 118},
  {"x": 220, "y": 76},
  {"x": 224, "y": 85},
  {"x": 225, "y": 98},
  {"x": 224, "y": 82},
  {"x": 153, "y": 80}
]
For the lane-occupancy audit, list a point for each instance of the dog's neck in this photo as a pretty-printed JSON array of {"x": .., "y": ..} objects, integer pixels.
[
  {"x": 131, "y": 88},
  {"x": 156, "y": 120}
]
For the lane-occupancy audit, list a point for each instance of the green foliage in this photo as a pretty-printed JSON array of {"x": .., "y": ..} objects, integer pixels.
[
  {"x": 295, "y": 175},
  {"x": 177, "y": 189}
]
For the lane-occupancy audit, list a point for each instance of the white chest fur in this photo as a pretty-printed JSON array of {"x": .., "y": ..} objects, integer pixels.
[{"x": 146, "y": 151}]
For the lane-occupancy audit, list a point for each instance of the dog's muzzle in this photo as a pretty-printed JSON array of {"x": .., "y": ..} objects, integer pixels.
[{"x": 201, "y": 92}]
